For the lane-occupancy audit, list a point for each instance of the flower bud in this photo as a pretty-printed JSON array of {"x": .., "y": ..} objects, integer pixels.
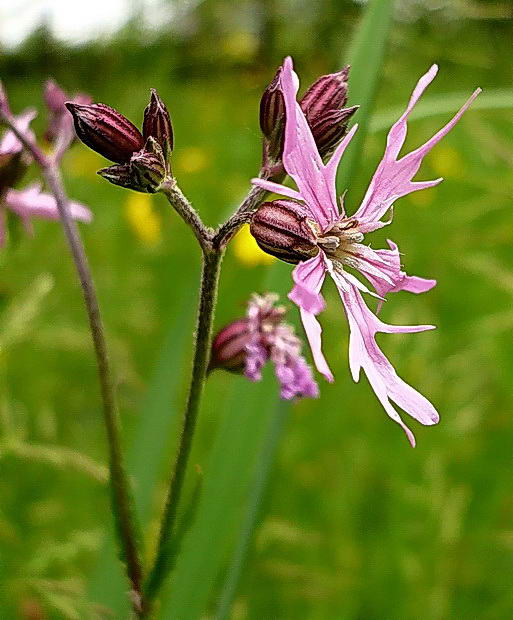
[
  {"x": 272, "y": 107},
  {"x": 148, "y": 170},
  {"x": 119, "y": 174},
  {"x": 330, "y": 127},
  {"x": 282, "y": 228},
  {"x": 106, "y": 131},
  {"x": 329, "y": 92},
  {"x": 157, "y": 124},
  {"x": 229, "y": 347}
]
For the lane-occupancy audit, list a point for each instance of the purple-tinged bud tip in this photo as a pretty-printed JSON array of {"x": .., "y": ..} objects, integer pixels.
[
  {"x": 282, "y": 228},
  {"x": 106, "y": 131},
  {"x": 157, "y": 124}
]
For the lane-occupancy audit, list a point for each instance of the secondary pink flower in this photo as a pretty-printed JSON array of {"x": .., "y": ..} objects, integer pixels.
[
  {"x": 32, "y": 202},
  {"x": 339, "y": 240},
  {"x": 9, "y": 144},
  {"x": 60, "y": 131},
  {"x": 247, "y": 344}
]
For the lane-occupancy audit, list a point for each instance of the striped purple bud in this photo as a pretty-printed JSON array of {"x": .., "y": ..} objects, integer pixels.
[
  {"x": 157, "y": 124},
  {"x": 330, "y": 127},
  {"x": 148, "y": 170},
  {"x": 106, "y": 131},
  {"x": 144, "y": 173},
  {"x": 329, "y": 92},
  {"x": 282, "y": 228},
  {"x": 229, "y": 347},
  {"x": 272, "y": 107}
]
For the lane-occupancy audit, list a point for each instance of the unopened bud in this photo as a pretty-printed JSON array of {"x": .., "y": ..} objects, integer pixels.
[
  {"x": 119, "y": 174},
  {"x": 106, "y": 131},
  {"x": 329, "y": 128},
  {"x": 329, "y": 92},
  {"x": 282, "y": 228},
  {"x": 148, "y": 170},
  {"x": 272, "y": 107},
  {"x": 229, "y": 347},
  {"x": 157, "y": 124}
]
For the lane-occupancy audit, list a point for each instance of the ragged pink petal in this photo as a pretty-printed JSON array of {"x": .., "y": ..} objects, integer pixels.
[
  {"x": 383, "y": 270},
  {"x": 277, "y": 188},
  {"x": 309, "y": 277},
  {"x": 9, "y": 144},
  {"x": 32, "y": 202},
  {"x": 301, "y": 158},
  {"x": 364, "y": 353},
  {"x": 393, "y": 176}
]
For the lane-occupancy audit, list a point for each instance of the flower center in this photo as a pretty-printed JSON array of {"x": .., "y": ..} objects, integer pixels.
[{"x": 337, "y": 240}]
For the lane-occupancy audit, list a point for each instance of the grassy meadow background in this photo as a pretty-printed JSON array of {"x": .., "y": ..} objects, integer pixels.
[{"x": 317, "y": 510}]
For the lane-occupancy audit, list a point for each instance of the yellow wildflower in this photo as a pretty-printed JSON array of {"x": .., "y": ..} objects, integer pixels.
[
  {"x": 143, "y": 219},
  {"x": 247, "y": 250}
]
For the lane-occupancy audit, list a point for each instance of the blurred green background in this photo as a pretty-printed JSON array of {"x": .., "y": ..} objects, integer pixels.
[{"x": 349, "y": 522}]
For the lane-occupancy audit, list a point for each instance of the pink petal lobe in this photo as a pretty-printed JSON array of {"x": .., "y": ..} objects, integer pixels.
[
  {"x": 301, "y": 158},
  {"x": 31, "y": 202},
  {"x": 9, "y": 142},
  {"x": 309, "y": 277},
  {"x": 383, "y": 270},
  {"x": 393, "y": 176},
  {"x": 277, "y": 188},
  {"x": 364, "y": 353}
]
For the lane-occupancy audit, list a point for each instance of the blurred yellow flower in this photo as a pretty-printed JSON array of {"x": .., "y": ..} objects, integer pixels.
[
  {"x": 192, "y": 159},
  {"x": 143, "y": 219},
  {"x": 240, "y": 45},
  {"x": 447, "y": 162},
  {"x": 247, "y": 250}
]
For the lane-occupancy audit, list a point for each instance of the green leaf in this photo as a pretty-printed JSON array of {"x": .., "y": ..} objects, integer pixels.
[
  {"x": 258, "y": 488},
  {"x": 226, "y": 488},
  {"x": 366, "y": 55}
]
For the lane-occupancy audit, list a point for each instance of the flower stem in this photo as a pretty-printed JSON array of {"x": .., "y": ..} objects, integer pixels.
[
  {"x": 208, "y": 294},
  {"x": 122, "y": 503}
]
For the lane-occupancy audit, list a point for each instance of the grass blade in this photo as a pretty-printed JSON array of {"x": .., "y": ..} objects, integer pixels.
[
  {"x": 226, "y": 485},
  {"x": 258, "y": 488},
  {"x": 366, "y": 55}
]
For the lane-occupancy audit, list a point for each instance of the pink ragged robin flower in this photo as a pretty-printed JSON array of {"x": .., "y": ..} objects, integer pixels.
[
  {"x": 247, "y": 344},
  {"x": 327, "y": 241},
  {"x": 32, "y": 202}
]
